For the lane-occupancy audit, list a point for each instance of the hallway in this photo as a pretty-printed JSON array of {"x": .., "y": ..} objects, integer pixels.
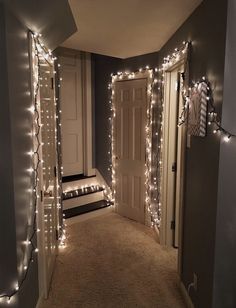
[{"x": 111, "y": 261}]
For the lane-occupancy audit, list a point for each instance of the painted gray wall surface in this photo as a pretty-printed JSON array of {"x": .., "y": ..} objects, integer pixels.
[
  {"x": 104, "y": 66},
  {"x": 8, "y": 269},
  {"x": 206, "y": 28},
  {"x": 225, "y": 261},
  {"x": 15, "y": 130},
  {"x": 53, "y": 19},
  {"x": 21, "y": 126},
  {"x": 134, "y": 63}
]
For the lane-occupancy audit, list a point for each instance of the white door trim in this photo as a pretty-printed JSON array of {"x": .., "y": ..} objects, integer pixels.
[
  {"x": 87, "y": 114},
  {"x": 165, "y": 227}
]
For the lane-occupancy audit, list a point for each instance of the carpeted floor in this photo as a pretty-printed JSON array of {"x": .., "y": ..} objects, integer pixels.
[{"x": 111, "y": 261}]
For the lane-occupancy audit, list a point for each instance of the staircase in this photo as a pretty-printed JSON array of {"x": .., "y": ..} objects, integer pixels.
[{"x": 82, "y": 194}]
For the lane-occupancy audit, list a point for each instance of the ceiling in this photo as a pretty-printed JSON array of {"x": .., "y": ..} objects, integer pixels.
[{"x": 126, "y": 28}]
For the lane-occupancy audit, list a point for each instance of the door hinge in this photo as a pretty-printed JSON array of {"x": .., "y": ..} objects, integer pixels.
[
  {"x": 41, "y": 195},
  {"x": 178, "y": 86},
  {"x": 52, "y": 83},
  {"x": 172, "y": 225},
  {"x": 55, "y": 171},
  {"x": 57, "y": 235},
  {"x": 174, "y": 167}
]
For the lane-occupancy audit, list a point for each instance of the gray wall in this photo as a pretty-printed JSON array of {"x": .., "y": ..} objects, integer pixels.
[
  {"x": 15, "y": 129},
  {"x": 225, "y": 261},
  {"x": 206, "y": 28},
  {"x": 21, "y": 126},
  {"x": 53, "y": 19},
  {"x": 103, "y": 67},
  {"x": 8, "y": 269}
]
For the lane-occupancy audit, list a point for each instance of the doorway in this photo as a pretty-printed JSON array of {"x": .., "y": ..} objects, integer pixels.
[
  {"x": 131, "y": 101},
  {"x": 174, "y": 144}
]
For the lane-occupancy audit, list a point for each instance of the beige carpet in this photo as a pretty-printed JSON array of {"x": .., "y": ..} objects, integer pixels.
[{"x": 111, "y": 261}]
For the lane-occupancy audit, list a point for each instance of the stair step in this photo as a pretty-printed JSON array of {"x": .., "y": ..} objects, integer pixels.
[
  {"x": 82, "y": 200},
  {"x": 81, "y": 192},
  {"x": 85, "y": 208},
  {"x": 68, "y": 186},
  {"x": 76, "y": 177}
]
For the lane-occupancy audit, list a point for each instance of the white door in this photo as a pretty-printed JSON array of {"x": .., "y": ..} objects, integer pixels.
[
  {"x": 173, "y": 159},
  {"x": 71, "y": 106},
  {"x": 131, "y": 114},
  {"x": 49, "y": 212}
]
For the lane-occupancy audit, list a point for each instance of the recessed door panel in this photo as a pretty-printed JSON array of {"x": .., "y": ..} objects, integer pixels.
[{"x": 71, "y": 106}]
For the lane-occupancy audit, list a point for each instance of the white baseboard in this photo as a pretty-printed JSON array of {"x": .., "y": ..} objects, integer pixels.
[
  {"x": 157, "y": 234},
  {"x": 186, "y": 296}
]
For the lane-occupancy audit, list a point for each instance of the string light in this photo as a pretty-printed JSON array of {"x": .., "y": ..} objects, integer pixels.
[
  {"x": 152, "y": 81},
  {"x": 38, "y": 52},
  {"x": 213, "y": 118}
]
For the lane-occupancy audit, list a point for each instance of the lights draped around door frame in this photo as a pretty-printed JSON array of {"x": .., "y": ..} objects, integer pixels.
[
  {"x": 151, "y": 191},
  {"x": 154, "y": 132},
  {"x": 38, "y": 50}
]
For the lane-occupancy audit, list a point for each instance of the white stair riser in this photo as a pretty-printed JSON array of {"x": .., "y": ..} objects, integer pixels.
[
  {"x": 82, "y": 200},
  {"x": 78, "y": 184}
]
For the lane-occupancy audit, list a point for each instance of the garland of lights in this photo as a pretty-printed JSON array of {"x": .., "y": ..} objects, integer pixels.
[
  {"x": 169, "y": 61},
  {"x": 149, "y": 174},
  {"x": 213, "y": 117},
  {"x": 38, "y": 50},
  {"x": 154, "y": 130}
]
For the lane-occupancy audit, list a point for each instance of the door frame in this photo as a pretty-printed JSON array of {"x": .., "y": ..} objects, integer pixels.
[
  {"x": 165, "y": 230},
  {"x": 87, "y": 114},
  {"x": 44, "y": 285},
  {"x": 127, "y": 76},
  {"x": 41, "y": 258}
]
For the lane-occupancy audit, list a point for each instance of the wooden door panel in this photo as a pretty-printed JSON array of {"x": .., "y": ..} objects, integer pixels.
[
  {"x": 124, "y": 125},
  {"x": 69, "y": 95},
  {"x": 70, "y": 142},
  {"x": 131, "y": 104},
  {"x": 137, "y": 133}
]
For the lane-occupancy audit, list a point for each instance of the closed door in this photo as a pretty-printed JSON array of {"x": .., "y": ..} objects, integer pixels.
[
  {"x": 71, "y": 106},
  {"x": 131, "y": 114}
]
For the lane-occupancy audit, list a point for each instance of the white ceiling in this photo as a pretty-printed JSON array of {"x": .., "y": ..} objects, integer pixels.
[{"x": 126, "y": 28}]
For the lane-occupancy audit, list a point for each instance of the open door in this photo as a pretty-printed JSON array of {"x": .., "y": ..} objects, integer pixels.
[
  {"x": 130, "y": 101},
  {"x": 174, "y": 138},
  {"x": 48, "y": 212}
]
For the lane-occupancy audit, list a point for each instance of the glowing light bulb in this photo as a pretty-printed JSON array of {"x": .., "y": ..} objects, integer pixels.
[{"x": 227, "y": 138}]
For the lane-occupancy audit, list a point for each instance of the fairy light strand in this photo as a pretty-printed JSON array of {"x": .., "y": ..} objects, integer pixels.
[
  {"x": 149, "y": 175},
  {"x": 38, "y": 51},
  {"x": 213, "y": 117},
  {"x": 35, "y": 170}
]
